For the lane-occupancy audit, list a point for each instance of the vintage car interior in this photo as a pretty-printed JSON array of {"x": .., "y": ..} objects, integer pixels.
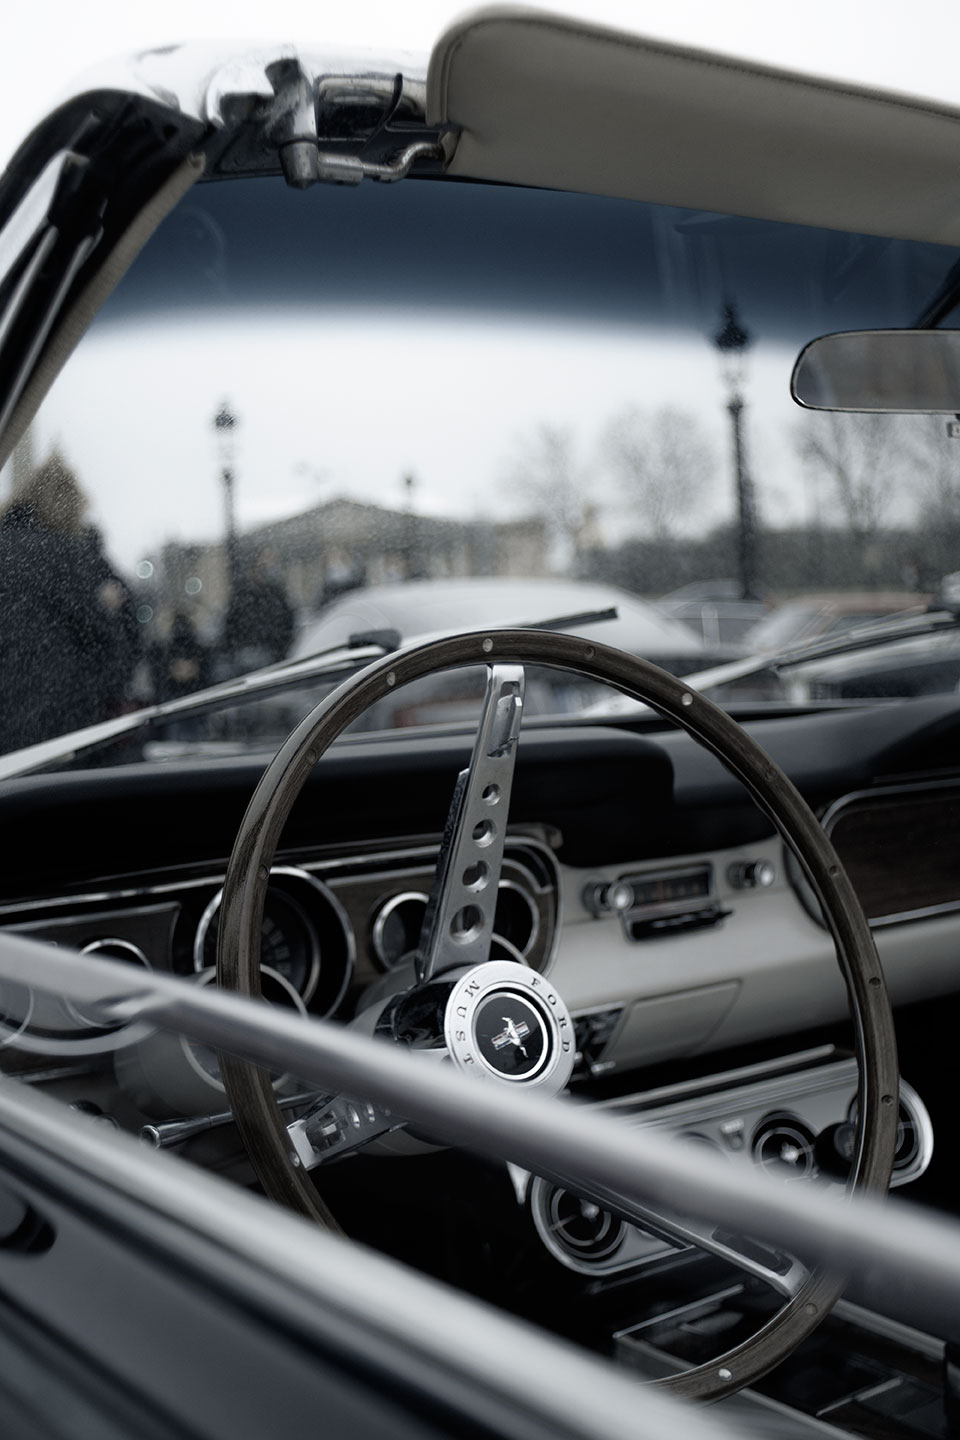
[{"x": 307, "y": 294}]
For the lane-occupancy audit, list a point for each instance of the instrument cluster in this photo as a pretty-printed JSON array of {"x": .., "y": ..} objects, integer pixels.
[{"x": 334, "y": 924}]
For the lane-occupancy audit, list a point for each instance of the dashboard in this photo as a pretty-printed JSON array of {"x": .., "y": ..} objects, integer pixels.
[{"x": 637, "y": 874}]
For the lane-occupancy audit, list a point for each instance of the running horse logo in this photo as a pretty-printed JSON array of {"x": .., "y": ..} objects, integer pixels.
[{"x": 513, "y": 1034}]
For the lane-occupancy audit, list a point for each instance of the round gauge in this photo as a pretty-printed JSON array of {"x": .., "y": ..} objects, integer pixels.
[
  {"x": 399, "y": 921},
  {"x": 397, "y": 926},
  {"x": 16, "y": 1010},
  {"x": 516, "y": 920},
  {"x": 121, "y": 950},
  {"x": 304, "y": 938},
  {"x": 288, "y": 943},
  {"x": 48, "y": 1023},
  {"x": 275, "y": 989}
]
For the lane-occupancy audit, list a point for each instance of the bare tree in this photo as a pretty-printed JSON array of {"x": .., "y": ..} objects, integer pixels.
[
  {"x": 935, "y": 473},
  {"x": 662, "y": 461},
  {"x": 864, "y": 459},
  {"x": 547, "y": 475},
  {"x": 937, "y": 458}
]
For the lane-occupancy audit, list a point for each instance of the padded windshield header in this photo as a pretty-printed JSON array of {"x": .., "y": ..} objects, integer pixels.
[{"x": 540, "y": 99}]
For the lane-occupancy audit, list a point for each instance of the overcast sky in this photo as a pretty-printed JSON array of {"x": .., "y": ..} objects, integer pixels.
[{"x": 910, "y": 46}]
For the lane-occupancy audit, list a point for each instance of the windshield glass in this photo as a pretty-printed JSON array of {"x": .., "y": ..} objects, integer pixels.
[{"x": 305, "y": 417}]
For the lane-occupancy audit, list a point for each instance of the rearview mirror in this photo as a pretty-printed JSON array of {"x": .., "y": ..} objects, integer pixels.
[{"x": 888, "y": 371}]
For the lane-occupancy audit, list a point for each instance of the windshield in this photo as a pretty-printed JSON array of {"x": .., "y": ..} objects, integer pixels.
[{"x": 305, "y": 417}]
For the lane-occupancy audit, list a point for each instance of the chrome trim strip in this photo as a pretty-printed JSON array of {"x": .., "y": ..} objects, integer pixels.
[
  {"x": 420, "y": 851},
  {"x": 927, "y": 912},
  {"x": 310, "y": 870},
  {"x": 801, "y": 1059}
]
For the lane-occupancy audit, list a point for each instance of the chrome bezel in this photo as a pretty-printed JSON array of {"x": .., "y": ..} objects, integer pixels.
[
  {"x": 514, "y": 951},
  {"x": 209, "y": 977},
  {"x": 696, "y": 1108},
  {"x": 331, "y": 866},
  {"x": 10, "y": 1035},
  {"x": 292, "y": 872},
  {"x": 508, "y": 884},
  {"x": 95, "y": 947},
  {"x": 380, "y": 921}
]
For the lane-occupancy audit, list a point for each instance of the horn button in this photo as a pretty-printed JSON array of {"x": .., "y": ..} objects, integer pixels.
[{"x": 506, "y": 1021}]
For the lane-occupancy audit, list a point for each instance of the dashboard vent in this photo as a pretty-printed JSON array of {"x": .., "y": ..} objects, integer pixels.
[
  {"x": 784, "y": 1146},
  {"x": 587, "y": 1233}
]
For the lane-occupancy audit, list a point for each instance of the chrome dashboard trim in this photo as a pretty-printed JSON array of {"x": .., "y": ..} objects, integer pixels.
[
  {"x": 408, "y": 857},
  {"x": 414, "y": 848},
  {"x": 743, "y": 1074},
  {"x": 684, "y": 1109}
]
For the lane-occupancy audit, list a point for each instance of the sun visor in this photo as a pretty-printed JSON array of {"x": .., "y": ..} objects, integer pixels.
[{"x": 544, "y": 100}]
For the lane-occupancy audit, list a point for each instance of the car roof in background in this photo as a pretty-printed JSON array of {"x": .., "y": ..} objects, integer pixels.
[
  {"x": 851, "y": 601},
  {"x": 420, "y": 607}
]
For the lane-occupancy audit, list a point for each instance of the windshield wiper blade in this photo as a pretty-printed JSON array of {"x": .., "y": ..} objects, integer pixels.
[
  {"x": 258, "y": 684},
  {"x": 566, "y": 622},
  {"x": 907, "y": 625},
  {"x": 390, "y": 639}
]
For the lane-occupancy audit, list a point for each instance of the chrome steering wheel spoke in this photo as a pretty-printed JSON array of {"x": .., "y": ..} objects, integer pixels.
[
  {"x": 458, "y": 924},
  {"x": 782, "y": 1272},
  {"x": 334, "y": 1126}
]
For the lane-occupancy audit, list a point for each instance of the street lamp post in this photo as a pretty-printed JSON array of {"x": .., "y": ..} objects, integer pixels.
[
  {"x": 732, "y": 342},
  {"x": 225, "y": 424},
  {"x": 411, "y": 559}
]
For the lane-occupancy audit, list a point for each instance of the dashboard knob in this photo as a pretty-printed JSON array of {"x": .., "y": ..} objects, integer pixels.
[
  {"x": 752, "y": 874},
  {"x": 606, "y": 897}
]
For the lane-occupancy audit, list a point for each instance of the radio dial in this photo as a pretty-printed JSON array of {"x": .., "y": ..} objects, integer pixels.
[{"x": 608, "y": 897}]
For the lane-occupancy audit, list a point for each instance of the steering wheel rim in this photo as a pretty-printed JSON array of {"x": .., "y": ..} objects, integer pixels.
[{"x": 249, "y": 1092}]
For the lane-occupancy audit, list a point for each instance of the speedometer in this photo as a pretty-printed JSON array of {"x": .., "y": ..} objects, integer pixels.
[
  {"x": 288, "y": 943},
  {"x": 305, "y": 938}
]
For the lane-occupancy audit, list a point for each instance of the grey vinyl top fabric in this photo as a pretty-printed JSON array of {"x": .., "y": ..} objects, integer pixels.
[{"x": 545, "y": 100}]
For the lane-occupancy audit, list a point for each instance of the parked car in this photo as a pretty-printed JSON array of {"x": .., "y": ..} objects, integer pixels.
[
  {"x": 715, "y": 610},
  {"x": 403, "y": 612},
  {"x": 503, "y": 1064},
  {"x": 807, "y": 618}
]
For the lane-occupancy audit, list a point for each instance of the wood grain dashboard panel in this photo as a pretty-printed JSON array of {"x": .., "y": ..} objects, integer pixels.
[{"x": 901, "y": 848}]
